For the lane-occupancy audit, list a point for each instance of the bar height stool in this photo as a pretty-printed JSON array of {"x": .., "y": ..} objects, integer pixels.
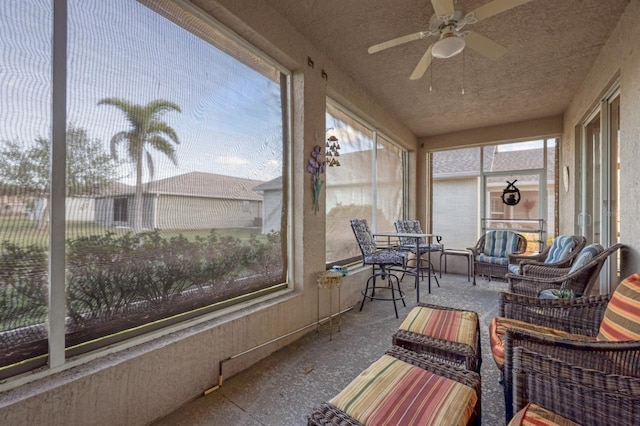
[{"x": 382, "y": 261}]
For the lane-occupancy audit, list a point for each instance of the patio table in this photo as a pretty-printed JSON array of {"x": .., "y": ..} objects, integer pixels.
[{"x": 419, "y": 251}]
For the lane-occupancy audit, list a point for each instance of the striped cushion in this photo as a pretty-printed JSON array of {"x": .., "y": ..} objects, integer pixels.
[
  {"x": 394, "y": 392},
  {"x": 560, "y": 248},
  {"x": 585, "y": 256},
  {"x": 493, "y": 259},
  {"x": 498, "y": 329},
  {"x": 443, "y": 324},
  {"x": 621, "y": 321},
  {"x": 535, "y": 415},
  {"x": 500, "y": 243}
]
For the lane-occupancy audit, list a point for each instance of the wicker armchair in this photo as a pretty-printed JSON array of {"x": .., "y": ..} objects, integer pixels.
[
  {"x": 580, "y": 278},
  {"x": 576, "y": 331},
  {"x": 491, "y": 252},
  {"x": 560, "y": 254},
  {"x": 547, "y": 387}
]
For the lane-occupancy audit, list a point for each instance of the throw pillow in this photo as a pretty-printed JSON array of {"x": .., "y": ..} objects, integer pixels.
[
  {"x": 621, "y": 320},
  {"x": 586, "y": 255},
  {"x": 560, "y": 248}
]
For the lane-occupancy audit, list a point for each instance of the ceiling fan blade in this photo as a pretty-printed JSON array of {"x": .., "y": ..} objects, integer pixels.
[
  {"x": 484, "y": 45},
  {"x": 443, "y": 8},
  {"x": 398, "y": 41},
  {"x": 493, "y": 8},
  {"x": 422, "y": 66}
]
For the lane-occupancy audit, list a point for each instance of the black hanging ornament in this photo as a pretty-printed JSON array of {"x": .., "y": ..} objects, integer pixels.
[{"x": 511, "y": 194}]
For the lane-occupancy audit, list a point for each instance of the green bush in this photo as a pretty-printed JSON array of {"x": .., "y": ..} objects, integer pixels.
[
  {"x": 111, "y": 276},
  {"x": 23, "y": 286}
]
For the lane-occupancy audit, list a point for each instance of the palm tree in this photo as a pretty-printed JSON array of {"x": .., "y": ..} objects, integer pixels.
[{"x": 147, "y": 131}]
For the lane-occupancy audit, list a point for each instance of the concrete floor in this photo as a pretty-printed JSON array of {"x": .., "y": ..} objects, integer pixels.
[{"x": 282, "y": 388}]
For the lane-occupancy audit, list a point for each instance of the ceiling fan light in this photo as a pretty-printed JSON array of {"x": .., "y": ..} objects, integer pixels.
[{"x": 449, "y": 45}]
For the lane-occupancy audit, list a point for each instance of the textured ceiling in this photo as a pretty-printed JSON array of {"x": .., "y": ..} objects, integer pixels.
[{"x": 551, "y": 47}]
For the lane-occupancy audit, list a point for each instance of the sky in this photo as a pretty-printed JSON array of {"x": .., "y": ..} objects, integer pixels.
[{"x": 230, "y": 121}]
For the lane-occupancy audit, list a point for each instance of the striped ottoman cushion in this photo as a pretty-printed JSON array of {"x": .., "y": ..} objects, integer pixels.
[
  {"x": 450, "y": 325},
  {"x": 451, "y": 335},
  {"x": 499, "y": 325},
  {"x": 394, "y": 392},
  {"x": 534, "y": 415}
]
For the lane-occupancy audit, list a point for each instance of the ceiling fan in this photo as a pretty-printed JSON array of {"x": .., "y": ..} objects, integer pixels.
[{"x": 447, "y": 24}]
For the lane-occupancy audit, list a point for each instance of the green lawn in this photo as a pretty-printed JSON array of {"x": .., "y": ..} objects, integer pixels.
[{"x": 25, "y": 232}]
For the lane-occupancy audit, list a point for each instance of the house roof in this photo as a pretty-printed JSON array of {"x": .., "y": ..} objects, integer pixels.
[
  {"x": 198, "y": 184},
  {"x": 270, "y": 185},
  {"x": 465, "y": 162}
]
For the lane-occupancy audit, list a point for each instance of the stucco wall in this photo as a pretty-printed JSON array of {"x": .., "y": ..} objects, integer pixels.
[
  {"x": 271, "y": 211},
  {"x": 455, "y": 212},
  {"x": 176, "y": 212},
  {"x": 136, "y": 385}
]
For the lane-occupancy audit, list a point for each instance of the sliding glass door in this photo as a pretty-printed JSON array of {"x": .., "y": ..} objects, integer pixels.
[{"x": 599, "y": 171}]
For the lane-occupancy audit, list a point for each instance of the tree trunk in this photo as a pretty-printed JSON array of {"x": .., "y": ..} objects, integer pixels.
[{"x": 138, "y": 201}]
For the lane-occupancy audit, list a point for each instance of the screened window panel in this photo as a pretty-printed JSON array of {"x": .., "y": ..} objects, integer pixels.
[
  {"x": 514, "y": 156},
  {"x": 389, "y": 185},
  {"x": 349, "y": 190},
  {"x": 25, "y": 128},
  {"x": 456, "y": 175},
  {"x": 174, "y": 170},
  {"x": 369, "y": 184},
  {"x": 178, "y": 220}
]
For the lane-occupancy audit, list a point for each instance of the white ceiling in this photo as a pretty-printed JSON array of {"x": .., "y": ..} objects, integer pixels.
[{"x": 551, "y": 47}]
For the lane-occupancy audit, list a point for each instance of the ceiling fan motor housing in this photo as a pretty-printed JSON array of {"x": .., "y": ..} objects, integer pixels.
[{"x": 437, "y": 25}]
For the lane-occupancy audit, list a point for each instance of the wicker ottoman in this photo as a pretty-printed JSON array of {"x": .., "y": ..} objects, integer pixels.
[
  {"x": 405, "y": 388},
  {"x": 448, "y": 334}
]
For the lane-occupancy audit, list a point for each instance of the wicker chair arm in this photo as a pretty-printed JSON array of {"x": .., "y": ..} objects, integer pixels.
[
  {"x": 528, "y": 286},
  {"x": 519, "y": 258},
  {"x": 562, "y": 264},
  {"x": 543, "y": 270},
  {"x": 581, "y": 315}
]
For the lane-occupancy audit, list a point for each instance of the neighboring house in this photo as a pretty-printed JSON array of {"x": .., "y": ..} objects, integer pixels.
[
  {"x": 349, "y": 184},
  {"x": 14, "y": 205},
  {"x": 80, "y": 209},
  {"x": 271, "y": 205},
  {"x": 193, "y": 200}
]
